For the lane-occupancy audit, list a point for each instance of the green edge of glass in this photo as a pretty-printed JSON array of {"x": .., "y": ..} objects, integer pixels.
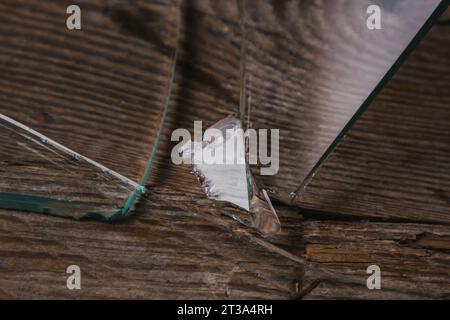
[
  {"x": 39, "y": 204},
  {"x": 49, "y": 206},
  {"x": 141, "y": 190},
  {"x": 440, "y": 9}
]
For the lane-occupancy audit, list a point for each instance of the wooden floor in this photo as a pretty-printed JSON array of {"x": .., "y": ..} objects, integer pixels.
[{"x": 382, "y": 198}]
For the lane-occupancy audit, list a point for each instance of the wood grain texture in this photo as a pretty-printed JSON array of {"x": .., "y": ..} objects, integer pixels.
[
  {"x": 413, "y": 258},
  {"x": 98, "y": 90},
  {"x": 311, "y": 65},
  {"x": 177, "y": 246},
  {"x": 395, "y": 162},
  {"x": 41, "y": 177},
  {"x": 173, "y": 247},
  {"x": 180, "y": 245}
]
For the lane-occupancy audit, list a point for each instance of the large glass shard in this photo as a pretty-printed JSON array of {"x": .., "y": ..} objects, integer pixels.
[
  {"x": 44, "y": 176},
  {"x": 312, "y": 67},
  {"x": 81, "y": 111}
]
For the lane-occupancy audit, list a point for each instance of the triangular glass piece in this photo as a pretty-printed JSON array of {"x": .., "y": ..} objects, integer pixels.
[
  {"x": 38, "y": 174},
  {"x": 219, "y": 161},
  {"x": 81, "y": 111},
  {"x": 311, "y": 69}
]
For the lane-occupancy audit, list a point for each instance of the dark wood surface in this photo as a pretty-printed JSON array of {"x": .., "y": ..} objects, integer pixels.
[{"x": 382, "y": 198}]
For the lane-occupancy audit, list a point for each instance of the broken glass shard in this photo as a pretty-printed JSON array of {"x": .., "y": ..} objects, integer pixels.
[
  {"x": 81, "y": 111},
  {"x": 220, "y": 164},
  {"x": 312, "y": 67}
]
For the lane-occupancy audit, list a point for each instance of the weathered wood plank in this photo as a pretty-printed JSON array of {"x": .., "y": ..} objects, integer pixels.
[
  {"x": 180, "y": 245},
  {"x": 414, "y": 259},
  {"x": 173, "y": 247}
]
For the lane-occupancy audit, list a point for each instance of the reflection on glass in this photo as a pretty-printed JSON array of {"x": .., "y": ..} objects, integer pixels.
[
  {"x": 224, "y": 174},
  {"x": 311, "y": 65},
  {"x": 81, "y": 110}
]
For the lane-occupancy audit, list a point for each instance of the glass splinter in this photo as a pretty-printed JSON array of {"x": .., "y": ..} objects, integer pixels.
[{"x": 220, "y": 165}]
